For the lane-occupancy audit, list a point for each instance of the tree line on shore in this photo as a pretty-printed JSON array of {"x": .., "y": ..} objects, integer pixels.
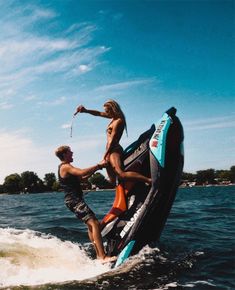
[
  {"x": 29, "y": 182},
  {"x": 210, "y": 176}
]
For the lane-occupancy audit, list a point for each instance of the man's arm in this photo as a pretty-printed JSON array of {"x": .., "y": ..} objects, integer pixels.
[{"x": 81, "y": 173}]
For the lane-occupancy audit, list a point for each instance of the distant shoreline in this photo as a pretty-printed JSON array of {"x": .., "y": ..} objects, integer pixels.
[
  {"x": 208, "y": 185},
  {"x": 99, "y": 190}
]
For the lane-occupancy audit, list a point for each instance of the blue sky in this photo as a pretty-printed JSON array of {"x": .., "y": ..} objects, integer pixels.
[{"x": 147, "y": 55}]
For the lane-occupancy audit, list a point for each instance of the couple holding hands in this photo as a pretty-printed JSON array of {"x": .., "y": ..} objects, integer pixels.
[{"x": 70, "y": 176}]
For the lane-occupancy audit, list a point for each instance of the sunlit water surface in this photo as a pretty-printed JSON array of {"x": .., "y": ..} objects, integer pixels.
[{"x": 43, "y": 246}]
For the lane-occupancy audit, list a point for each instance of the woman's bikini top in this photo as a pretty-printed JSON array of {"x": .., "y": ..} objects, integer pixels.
[{"x": 109, "y": 128}]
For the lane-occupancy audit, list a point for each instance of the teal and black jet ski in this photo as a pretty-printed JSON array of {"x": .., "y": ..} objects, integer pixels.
[{"x": 140, "y": 211}]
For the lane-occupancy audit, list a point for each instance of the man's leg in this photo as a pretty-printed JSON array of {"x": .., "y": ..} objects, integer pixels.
[{"x": 95, "y": 237}]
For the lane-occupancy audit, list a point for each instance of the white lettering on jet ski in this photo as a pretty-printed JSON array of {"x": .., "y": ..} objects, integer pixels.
[
  {"x": 130, "y": 223},
  {"x": 155, "y": 137}
]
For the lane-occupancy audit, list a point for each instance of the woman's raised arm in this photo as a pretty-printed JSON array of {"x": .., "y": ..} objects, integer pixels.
[{"x": 82, "y": 109}]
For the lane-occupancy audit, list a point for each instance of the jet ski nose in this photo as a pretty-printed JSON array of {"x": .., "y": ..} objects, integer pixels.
[{"x": 171, "y": 112}]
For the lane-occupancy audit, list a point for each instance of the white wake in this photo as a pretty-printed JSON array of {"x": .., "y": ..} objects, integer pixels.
[{"x": 31, "y": 258}]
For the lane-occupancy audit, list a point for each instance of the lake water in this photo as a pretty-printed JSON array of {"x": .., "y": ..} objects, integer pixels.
[{"x": 43, "y": 246}]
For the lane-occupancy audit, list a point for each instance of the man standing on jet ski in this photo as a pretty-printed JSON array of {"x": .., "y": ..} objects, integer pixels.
[
  {"x": 69, "y": 178},
  {"x": 114, "y": 151}
]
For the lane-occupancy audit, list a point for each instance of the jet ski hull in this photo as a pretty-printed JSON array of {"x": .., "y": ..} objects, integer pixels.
[{"x": 140, "y": 211}]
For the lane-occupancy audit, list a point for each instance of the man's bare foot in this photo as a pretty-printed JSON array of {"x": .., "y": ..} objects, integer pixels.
[{"x": 108, "y": 259}]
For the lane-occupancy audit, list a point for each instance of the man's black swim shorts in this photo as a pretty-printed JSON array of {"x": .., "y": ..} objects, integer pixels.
[{"x": 78, "y": 206}]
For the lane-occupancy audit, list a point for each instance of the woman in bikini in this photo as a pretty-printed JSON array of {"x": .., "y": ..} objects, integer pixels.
[{"x": 114, "y": 151}]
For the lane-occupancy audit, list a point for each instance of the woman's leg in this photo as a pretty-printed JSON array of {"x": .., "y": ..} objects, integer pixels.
[
  {"x": 112, "y": 175},
  {"x": 115, "y": 161}
]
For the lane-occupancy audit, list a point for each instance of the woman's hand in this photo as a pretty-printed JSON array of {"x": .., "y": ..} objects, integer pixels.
[
  {"x": 80, "y": 109},
  {"x": 106, "y": 157},
  {"x": 103, "y": 164}
]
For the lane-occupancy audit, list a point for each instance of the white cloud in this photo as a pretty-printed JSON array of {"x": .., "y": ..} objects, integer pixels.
[
  {"x": 38, "y": 56},
  {"x": 56, "y": 102},
  {"x": 14, "y": 48},
  {"x": 28, "y": 57},
  {"x": 5, "y": 106},
  {"x": 66, "y": 126},
  {"x": 20, "y": 153},
  {"x": 25, "y": 16},
  {"x": 30, "y": 98},
  {"x": 84, "y": 68},
  {"x": 210, "y": 123},
  {"x": 39, "y": 14},
  {"x": 124, "y": 85}
]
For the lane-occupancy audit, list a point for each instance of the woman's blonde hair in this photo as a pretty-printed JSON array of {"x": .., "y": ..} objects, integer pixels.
[{"x": 116, "y": 110}]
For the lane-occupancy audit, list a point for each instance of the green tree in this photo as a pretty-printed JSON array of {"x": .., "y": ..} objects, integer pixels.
[
  {"x": 223, "y": 175},
  {"x": 12, "y": 183},
  {"x": 206, "y": 176},
  {"x": 2, "y": 188},
  {"x": 232, "y": 173},
  {"x": 188, "y": 176},
  {"x": 55, "y": 186},
  {"x": 49, "y": 180},
  {"x": 98, "y": 180},
  {"x": 30, "y": 182}
]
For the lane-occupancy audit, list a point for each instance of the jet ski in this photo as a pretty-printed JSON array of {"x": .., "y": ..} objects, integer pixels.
[{"x": 140, "y": 211}]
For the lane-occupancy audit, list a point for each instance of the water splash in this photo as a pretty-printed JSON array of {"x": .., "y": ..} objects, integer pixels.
[{"x": 32, "y": 258}]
